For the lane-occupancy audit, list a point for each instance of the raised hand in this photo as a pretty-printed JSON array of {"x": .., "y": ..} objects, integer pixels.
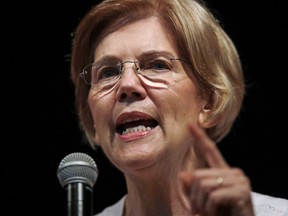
[{"x": 218, "y": 190}]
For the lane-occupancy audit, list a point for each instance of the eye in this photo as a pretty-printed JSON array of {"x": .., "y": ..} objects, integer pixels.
[
  {"x": 157, "y": 65},
  {"x": 106, "y": 72}
]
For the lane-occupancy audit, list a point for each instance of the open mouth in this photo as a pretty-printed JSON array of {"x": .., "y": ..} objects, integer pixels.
[{"x": 134, "y": 126}]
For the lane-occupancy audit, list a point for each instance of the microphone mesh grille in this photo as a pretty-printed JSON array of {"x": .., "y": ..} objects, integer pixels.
[{"x": 77, "y": 167}]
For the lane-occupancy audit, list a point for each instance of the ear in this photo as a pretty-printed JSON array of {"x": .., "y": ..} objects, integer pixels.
[{"x": 205, "y": 118}]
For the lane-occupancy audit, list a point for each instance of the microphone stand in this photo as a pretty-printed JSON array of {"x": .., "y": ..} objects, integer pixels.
[{"x": 79, "y": 199}]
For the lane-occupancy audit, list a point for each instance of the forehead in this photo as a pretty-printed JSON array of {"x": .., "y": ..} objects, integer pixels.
[{"x": 133, "y": 39}]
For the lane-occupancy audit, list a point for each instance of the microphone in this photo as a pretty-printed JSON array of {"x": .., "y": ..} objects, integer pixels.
[{"x": 77, "y": 174}]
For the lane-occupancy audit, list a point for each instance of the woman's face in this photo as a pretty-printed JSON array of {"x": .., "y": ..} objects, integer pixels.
[{"x": 140, "y": 122}]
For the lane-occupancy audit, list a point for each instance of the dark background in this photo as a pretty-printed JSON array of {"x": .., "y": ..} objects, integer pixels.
[{"x": 37, "y": 102}]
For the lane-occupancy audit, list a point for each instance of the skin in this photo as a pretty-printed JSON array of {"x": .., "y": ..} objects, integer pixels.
[{"x": 160, "y": 165}]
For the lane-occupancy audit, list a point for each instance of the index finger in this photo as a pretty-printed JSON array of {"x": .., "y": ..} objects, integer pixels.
[{"x": 207, "y": 147}]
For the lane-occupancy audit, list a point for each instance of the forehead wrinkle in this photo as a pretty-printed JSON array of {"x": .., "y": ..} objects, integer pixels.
[{"x": 117, "y": 43}]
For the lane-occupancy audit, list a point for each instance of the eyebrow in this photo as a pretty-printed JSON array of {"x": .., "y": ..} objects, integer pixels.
[
  {"x": 106, "y": 58},
  {"x": 141, "y": 56},
  {"x": 154, "y": 52}
]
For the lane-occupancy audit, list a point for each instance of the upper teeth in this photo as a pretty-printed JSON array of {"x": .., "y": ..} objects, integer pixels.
[{"x": 139, "y": 128}]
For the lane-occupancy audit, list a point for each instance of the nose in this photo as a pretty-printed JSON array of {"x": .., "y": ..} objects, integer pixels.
[{"x": 130, "y": 86}]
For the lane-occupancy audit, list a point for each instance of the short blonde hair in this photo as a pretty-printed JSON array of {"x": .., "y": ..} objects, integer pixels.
[{"x": 199, "y": 39}]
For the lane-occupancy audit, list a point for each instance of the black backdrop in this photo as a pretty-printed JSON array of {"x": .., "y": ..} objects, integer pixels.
[{"x": 40, "y": 126}]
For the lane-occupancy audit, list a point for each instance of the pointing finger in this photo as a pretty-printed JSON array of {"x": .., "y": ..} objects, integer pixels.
[{"x": 207, "y": 147}]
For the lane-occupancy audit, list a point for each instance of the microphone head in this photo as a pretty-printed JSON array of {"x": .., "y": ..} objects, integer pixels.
[{"x": 77, "y": 167}]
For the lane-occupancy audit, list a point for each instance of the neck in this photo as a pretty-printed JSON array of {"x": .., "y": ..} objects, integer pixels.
[
  {"x": 160, "y": 199},
  {"x": 154, "y": 191}
]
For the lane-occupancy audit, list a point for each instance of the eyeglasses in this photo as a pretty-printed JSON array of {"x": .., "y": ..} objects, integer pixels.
[{"x": 157, "y": 67}]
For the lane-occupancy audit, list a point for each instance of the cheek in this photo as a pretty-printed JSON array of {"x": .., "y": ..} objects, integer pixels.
[
  {"x": 92, "y": 102},
  {"x": 184, "y": 101},
  {"x": 184, "y": 95},
  {"x": 100, "y": 109}
]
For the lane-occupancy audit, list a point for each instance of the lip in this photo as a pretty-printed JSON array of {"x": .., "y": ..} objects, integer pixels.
[
  {"x": 127, "y": 117},
  {"x": 132, "y": 116}
]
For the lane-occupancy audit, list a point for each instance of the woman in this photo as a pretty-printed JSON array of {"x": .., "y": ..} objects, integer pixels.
[{"x": 158, "y": 84}]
